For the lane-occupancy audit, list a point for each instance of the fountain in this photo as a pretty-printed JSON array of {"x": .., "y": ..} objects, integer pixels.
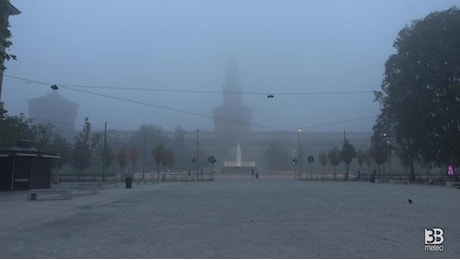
[
  {"x": 238, "y": 156},
  {"x": 238, "y": 166}
]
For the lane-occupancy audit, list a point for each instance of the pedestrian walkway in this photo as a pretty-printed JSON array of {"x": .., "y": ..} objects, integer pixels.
[{"x": 18, "y": 213}]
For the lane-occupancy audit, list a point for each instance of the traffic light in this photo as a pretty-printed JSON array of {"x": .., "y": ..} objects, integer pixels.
[
  {"x": 294, "y": 161},
  {"x": 212, "y": 160}
]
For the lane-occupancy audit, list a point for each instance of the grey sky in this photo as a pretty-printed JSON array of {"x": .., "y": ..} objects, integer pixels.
[{"x": 280, "y": 46}]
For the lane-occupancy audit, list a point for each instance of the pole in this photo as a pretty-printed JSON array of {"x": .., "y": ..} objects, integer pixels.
[
  {"x": 143, "y": 160},
  {"x": 299, "y": 161},
  {"x": 104, "y": 156},
  {"x": 197, "y": 150}
]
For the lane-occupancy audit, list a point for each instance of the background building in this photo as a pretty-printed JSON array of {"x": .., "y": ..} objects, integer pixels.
[
  {"x": 232, "y": 119},
  {"x": 55, "y": 109}
]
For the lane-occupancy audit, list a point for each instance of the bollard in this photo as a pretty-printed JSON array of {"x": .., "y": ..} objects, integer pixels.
[{"x": 128, "y": 182}]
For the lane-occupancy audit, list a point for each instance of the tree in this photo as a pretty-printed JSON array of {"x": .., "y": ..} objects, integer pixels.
[
  {"x": 5, "y": 41},
  {"x": 159, "y": 154},
  {"x": 144, "y": 139},
  {"x": 360, "y": 156},
  {"x": 133, "y": 156},
  {"x": 421, "y": 90},
  {"x": 14, "y": 128},
  {"x": 82, "y": 149},
  {"x": 380, "y": 150},
  {"x": 323, "y": 159},
  {"x": 121, "y": 158},
  {"x": 104, "y": 159},
  {"x": 64, "y": 149},
  {"x": 181, "y": 149},
  {"x": 347, "y": 154},
  {"x": 334, "y": 158},
  {"x": 169, "y": 159}
]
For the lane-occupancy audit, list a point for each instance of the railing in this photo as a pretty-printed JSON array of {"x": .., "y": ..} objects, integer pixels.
[
  {"x": 150, "y": 177},
  {"x": 434, "y": 179}
]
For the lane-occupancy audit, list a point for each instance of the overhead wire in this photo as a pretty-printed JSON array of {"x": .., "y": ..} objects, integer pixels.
[
  {"x": 75, "y": 88},
  {"x": 297, "y": 93}
]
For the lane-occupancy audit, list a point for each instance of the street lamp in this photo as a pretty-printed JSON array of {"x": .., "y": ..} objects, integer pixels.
[
  {"x": 197, "y": 151},
  {"x": 298, "y": 149}
]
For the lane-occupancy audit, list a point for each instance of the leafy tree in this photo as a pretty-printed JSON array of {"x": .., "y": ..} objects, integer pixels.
[
  {"x": 64, "y": 149},
  {"x": 145, "y": 138},
  {"x": 100, "y": 156},
  {"x": 421, "y": 90},
  {"x": 122, "y": 157},
  {"x": 159, "y": 154},
  {"x": 179, "y": 136},
  {"x": 323, "y": 159},
  {"x": 367, "y": 159},
  {"x": 133, "y": 156},
  {"x": 163, "y": 157},
  {"x": 82, "y": 149},
  {"x": 44, "y": 134},
  {"x": 334, "y": 158},
  {"x": 347, "y": 154},
  {"x": 5, "y": 42},
  {"x": 109, "y": 156},
  {"x": 380, "y": 150},
  {"x": 14, "y": 128},
  {"x": 169, "y": 159},
  {"x": 360, "y": 156},
  {"x": 181, "y": 149}
]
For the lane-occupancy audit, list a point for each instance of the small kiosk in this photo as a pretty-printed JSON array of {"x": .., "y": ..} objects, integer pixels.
[{"x": 24, "y": 167}]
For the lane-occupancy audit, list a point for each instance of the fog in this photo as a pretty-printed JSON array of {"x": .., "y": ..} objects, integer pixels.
[{"x": 291, "y": 49}]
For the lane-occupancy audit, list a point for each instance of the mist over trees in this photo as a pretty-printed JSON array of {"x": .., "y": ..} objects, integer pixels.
[
  {"x": 334, "y": 158},
  {"x": 419, "y": 120},
  {"x": 420, "y": 97},
  {"x": 83, "y": 148},
  {"x": 347, "y": 154}
]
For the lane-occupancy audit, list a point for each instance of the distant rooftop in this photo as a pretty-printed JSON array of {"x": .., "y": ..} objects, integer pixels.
[{"x": 7, "y": 8}]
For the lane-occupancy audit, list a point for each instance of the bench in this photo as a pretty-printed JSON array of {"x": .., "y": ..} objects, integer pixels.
[
  {"x": 400, "y": 181},
  {"x": 381, "y": 181},
  {"x": 36, "y": 194},
  {"x": 453, "y": 184},
  {"x": 104, "y": 185},
  {"x": 87, "y": 189}
]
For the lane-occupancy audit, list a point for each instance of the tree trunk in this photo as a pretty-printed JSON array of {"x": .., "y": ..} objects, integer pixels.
[
  {"x": 412, "y": 172},
  {"x": 347, "y": 171}
]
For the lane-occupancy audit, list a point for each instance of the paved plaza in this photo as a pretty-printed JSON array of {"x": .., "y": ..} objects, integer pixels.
[{"x": 234, "y": 217}]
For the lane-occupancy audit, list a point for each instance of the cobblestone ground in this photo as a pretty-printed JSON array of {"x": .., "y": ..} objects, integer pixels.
[{"x": 252, "y": 218}]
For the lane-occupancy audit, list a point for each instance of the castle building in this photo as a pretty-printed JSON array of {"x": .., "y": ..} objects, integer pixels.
[
  {"x": 232, "y": 119},
  {"x": 55, "y": 109}
]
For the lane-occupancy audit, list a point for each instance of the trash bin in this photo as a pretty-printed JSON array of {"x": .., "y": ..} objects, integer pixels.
[
  {"x": 129, "y": 182},
  {"x": 372, "y": 177}
]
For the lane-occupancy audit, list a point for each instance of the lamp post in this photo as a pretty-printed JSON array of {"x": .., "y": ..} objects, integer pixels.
[
  {"x": 143, "y": 159},
  {"x": 389, "y": 149},
  {"x": 298, "y": 151},
  {"x": 104, "y": 156},
  {"x": 197, "y": 150}
]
